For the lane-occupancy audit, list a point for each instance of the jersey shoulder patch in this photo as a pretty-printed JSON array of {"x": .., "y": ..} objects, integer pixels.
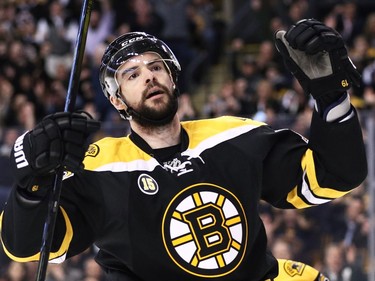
[{"x": 110, "y": 150}]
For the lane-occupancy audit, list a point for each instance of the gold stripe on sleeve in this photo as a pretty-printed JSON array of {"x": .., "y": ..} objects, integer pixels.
[
  {"x": 325, "y": 192},
  {"x": 295, "y": 200},
  {"x": 313, "y": 193},
  {"x": 63, "y": 248}
]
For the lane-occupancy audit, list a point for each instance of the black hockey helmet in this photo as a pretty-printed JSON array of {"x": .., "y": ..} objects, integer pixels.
[{"x": 129, "y": 45}]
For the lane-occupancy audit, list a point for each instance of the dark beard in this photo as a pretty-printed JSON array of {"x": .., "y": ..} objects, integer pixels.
[{"x": 149, "y": 117}]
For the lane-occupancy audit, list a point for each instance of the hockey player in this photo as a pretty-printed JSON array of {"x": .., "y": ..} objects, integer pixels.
[{"x": 179, "y": 200}]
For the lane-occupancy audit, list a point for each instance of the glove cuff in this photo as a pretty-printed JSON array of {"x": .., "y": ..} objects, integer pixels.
[
  {"x": 338, "y": 111},
  {"x": 334, "y": 82},
  {"x": 25, "y": 198},
  {"x": 37, "y": 187}
]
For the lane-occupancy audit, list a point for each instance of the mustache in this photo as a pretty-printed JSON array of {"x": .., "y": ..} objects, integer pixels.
[{"x": 151, "y": 85}]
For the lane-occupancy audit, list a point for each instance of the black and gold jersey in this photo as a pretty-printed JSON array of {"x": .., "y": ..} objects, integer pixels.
[{"x": 191, "y": 212}]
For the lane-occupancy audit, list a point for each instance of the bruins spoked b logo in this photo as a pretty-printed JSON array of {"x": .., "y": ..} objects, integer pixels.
[{"x": 205, "y": 230}]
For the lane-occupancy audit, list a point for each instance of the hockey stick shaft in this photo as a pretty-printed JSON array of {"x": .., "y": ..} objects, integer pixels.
[{"x": 54, "y": 199}]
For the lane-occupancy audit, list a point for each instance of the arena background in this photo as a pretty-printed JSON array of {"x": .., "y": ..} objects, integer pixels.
[{"x": 230, "y": 68}]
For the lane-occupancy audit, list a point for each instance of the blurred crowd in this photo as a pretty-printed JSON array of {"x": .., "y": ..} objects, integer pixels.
[{"x": 37, "y": 39}]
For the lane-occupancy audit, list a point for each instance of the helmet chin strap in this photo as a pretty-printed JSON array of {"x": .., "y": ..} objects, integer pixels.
[{"x": 129, "y": 112}]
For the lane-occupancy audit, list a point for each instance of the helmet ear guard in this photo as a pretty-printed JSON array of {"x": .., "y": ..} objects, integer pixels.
[{"x": 124, "y": 113}]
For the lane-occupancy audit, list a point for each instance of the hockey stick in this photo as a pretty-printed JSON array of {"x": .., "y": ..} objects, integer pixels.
[{"x": 54, "y": 199}]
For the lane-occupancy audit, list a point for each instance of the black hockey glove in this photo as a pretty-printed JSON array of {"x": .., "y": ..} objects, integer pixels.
[
  {"x": 317, "y": 57},
  {"x": 58, "y": 140}
]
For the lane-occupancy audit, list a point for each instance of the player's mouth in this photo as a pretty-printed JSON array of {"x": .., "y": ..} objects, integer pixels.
[{"x": 154, "y": 93}]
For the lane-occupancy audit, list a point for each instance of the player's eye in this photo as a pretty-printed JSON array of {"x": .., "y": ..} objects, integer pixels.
[
  {"x": 133, "y": 75},
  {"x": 157, "y": 68}
]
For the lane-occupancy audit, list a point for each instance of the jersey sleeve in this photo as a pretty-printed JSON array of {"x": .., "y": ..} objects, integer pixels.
[
  {"x": 22, "y": 230},
  {"x": 22, "y": 225},
  {"x": 301, "y": 173}
]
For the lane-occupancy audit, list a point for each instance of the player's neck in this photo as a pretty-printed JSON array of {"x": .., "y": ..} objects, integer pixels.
[{"x": 162, "y": 136}]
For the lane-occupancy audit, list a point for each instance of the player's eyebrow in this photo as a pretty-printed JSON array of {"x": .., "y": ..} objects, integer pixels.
[
  {"x": 123, "y": 72},
  {"x": 127, "y": 70},
  {"x": 154, "y": 61}
]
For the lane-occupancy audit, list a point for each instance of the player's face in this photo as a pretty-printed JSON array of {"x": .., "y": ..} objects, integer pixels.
[{"x": 147, "y": 86}]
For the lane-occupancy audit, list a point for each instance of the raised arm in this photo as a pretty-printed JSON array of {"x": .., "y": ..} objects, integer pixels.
[{"x": 333, "y": 160}]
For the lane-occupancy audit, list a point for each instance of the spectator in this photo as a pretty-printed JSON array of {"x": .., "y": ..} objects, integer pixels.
[
  {"x": 186, "y": 110},
  {"x": 214, "y": 107},
  {"x": 264, "y": 103},
  {"x": 249, "y": 19},
  {"x": 266, "y": 56},
  {"x": 288, "y": 11},
  {"x": 355, "y": 218},
  {"x": 276, "y": 24},
  {"x": 245, "y": 67},
  {"x": 92, "y": 270},
  {"x": 123, "y": 13},
  {"x": 101, "y": 25},
  {"x": 7, "y": 17},
  {"x": 56, "y": 272},
  {"x": 294, "y": 228},
  {"x": 348, "y": 21},
  {"x": 275, "y": 75},
  {"x": 104, "y": 109},
  {"x": 25, "y": 28},
  {"x": 6, "y": 95},
  {"x": 56, "y": 30},
  {"x": 32, "y": 269},
  {"x": 10, "y": 136},
  {"x": 16, "y": 272},
  {"x": 369, "y": 29},
  {"x": 145, "y": 18},
  {"x": 244, "y": 98},
  {"x": 271, "y": 221},
  {"x": 282, "y": 249},
  {"x": 208, "y": 29},
  {"x": 293, "y": 100},
  {"x": 75, "y": 266},
  {"x": 55, "y": 98},
  {"x": 359, "y": 52},
  {"x": 226, "y": 103},
  {"x": 21, "y": 112},
  {"x": 336, "y": 268},
  {"x": 17, "y": 62},
  {"x": 231, "y": 103},
  {"x": 302, "y": 122},
  {"x": 369, "y": 84},
  {"x": 296, "y": 11},
  {"x": 176, "y": 33}
]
